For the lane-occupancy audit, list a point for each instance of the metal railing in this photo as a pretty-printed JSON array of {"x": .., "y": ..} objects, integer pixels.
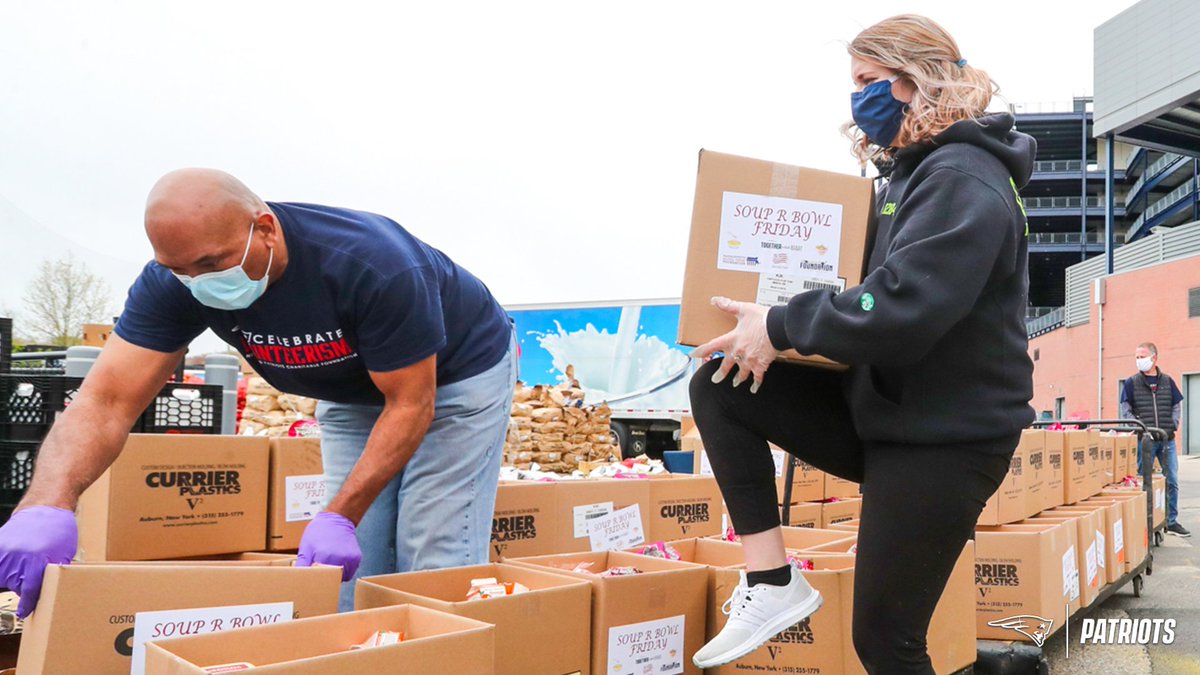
[
  {"x": 1032, "y": 313},
  {"x": 1072, "y": 238},
  {"x": 1045, "y": 323},
  {"x": 1050, "y": 107},
  {"x": 1152, "y": 171},
  {"x": 1161, "y": 205},
  {"x": 1061, "y": 202},
  {"x": 1057, "y": 166}
]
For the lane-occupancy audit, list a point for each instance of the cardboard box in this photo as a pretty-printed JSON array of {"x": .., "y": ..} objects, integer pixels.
[
  {"x": 1096, "y": 473},
  {"x": 1124, "y": 449},
  {"x": 547, "y": 630},
  {"x": 85, "y": 619},
  {"x": 1010, "y": 503},
  {"x": 683, "y": 505},
  {"x": 1092, "y": 576},
  {"x": 1134, "y": 453},
  {"x": 1024, "y": 570},
  {"x": 763, "y": 232},
  {"x": 668, "y": 598},
  {"x": 1076, "y": 467},
  {"x": 578, "y": 501},
  {"x": 840, "y": 488},
  {"x": 821, "y": 643},
  {"x": 176, "y": 496},
  {"x": 847, "y": 526},
  {"x": 523, "y": 523},
  {"x": 849, "y": 545},
  {"x": 724, "y": 561},
  {"x": 803, "y": 515},
  {"x": 689, "y": 435},
  {"x": 1036, "y": 472},
  {"x": 839, "y": 511},
  {"x": 806, "y": 539},
  {"x": 434, "y": 642},
  {"x": 1133, "y": 523},
  {"x": 297, "y": 490},
  {"x": 1052, "y": 472},
  {"x": 96, "y": 334},
  {"x": 1110, "y": 537}
]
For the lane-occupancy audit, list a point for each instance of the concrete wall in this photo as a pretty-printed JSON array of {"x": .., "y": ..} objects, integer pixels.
[
  {"x": 1145, "y": 305},
  {"x": 1147, "y": 60}
]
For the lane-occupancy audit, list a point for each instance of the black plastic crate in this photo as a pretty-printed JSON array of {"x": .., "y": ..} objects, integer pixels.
[
  {"x": 29, "y": 404},
  {"x": 184, "y": 409},
  {"x": 16, "y": 469},
  {"x": 6, "y": 345}
]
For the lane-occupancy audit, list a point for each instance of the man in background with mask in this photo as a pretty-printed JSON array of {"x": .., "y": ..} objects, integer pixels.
[
  {"x": 1152, "y": 397},
  {"x": 412, "y": 358}
]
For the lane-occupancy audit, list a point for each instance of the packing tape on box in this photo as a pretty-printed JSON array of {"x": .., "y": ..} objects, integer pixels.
[{"x": 785, "y": 180}]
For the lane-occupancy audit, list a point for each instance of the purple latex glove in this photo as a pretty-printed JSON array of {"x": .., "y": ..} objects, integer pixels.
[
  {"x": 330, "y": 540},
  {"x": 32, "y": 538}
]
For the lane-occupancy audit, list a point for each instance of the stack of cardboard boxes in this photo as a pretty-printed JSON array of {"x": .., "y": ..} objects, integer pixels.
[
  {"x": 168, "y": 530},
  {"x": 1054, "y": 536}
]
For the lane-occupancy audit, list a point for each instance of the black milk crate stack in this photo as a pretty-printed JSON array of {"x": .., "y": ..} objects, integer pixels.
[
  {"x": 184, "y": 409},
  {"x": 30, "y": 403}
]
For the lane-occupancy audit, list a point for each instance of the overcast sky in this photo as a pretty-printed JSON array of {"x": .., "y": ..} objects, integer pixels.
[{"x": 548, "y": 147}]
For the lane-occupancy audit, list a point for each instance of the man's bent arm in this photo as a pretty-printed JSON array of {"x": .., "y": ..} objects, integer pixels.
[
  {"x": 90, "y": 433},
  {"x": 410, "y": 395}
]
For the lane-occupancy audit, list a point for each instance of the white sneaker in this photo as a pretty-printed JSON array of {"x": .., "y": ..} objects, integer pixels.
[{"x": 757, "y": 614}]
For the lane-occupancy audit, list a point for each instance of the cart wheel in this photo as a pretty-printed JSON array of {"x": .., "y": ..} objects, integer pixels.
[
  {"x": 1137, "y": 586},
  {"x": 1158, "y": 538}
]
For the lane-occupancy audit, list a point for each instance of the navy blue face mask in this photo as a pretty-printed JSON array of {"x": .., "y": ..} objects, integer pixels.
[{"x": 877, "y": 112}]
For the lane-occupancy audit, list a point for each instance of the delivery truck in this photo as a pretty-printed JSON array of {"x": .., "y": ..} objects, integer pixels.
[{"x": 623, "y": 353}]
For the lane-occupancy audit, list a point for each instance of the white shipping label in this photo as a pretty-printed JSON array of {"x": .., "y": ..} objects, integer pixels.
[
  {"x": 1093, "y": 566},
  {"x": 705, "y": 467},
  {"x": 777, "y": 289},
  {"x": 618, "y": 530},
  {"x": 305, "y": 497},
  {"x": 1160, "y": 499},
  {"x": 780, "y": 458},
  {"x": 1070, "y": 568},
  {"x": 1119, "y": 535},
  {"x": 780, "y": 235},
  {"x": 648, "y": 647},
  {"x": 587, "y": 513},
  {"x": 1101, "y": 549},
  {"x": 173, "y": 623}
]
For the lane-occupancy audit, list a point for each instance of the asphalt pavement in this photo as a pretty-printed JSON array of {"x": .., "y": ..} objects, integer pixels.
[{"x": 1171, "y": 592}]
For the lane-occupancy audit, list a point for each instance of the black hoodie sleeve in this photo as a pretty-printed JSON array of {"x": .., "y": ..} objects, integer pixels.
[{"x": 949, "y": 234}]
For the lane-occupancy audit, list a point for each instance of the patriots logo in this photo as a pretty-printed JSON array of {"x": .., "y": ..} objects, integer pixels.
[{"x": 1033, "y": 627}]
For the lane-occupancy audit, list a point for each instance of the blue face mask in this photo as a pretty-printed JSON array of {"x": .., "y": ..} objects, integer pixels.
[
  {"x": 877, "y": 112},
  {"x": 229, "y": 289}
]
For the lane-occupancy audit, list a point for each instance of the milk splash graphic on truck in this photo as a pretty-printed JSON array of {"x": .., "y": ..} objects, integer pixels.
[{"x": 623, "y": 354}]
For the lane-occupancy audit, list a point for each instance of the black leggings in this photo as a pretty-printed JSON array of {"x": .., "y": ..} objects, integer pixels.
[{"x": 920, "y": 502}]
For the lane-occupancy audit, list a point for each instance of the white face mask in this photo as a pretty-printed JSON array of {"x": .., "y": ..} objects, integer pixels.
[{"x": 1145, "y": 364}]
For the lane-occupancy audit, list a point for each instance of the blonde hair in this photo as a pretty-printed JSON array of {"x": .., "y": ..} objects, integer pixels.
[{"x": 922, "y": 52}]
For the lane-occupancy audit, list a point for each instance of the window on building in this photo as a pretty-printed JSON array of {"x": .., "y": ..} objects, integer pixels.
[
  {"x": 1037, "y": 354},
  {"x": 1193, "y": 302},
  {"x": 1060, "y": 405}
]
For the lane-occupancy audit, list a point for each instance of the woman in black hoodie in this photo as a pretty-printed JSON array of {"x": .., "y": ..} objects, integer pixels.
[{"x": 931, "y": 408}]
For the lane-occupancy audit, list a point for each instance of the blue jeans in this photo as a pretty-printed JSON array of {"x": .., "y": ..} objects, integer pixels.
[
  {"x": 1165, "y": 453},
  {"x": 437, "y": 512}
]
